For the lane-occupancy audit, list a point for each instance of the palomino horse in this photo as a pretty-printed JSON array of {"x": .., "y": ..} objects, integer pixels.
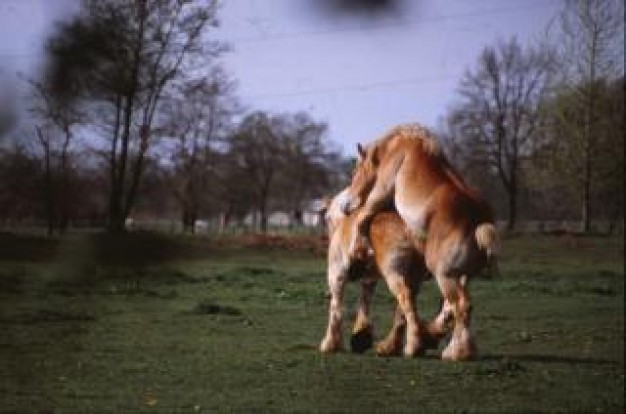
[
  {"x": 395, "y": 260},
  {"x": 449, "y": 222}
]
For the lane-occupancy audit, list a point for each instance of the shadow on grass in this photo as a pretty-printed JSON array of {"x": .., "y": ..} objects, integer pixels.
[
  {"x": 550, "y": 359},
  {"x": 26, "y": 248},
  {"x": 137, "y": 248},
  {"x": 125, "y": 281}
]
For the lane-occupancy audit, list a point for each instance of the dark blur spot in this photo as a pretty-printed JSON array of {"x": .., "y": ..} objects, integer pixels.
[{"x": 360, "y": 7}]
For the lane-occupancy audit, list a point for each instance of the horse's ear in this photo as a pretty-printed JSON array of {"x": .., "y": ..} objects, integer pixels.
[
  {"x": 375, "y": 156},
  {"x": 361, "y": 151}
]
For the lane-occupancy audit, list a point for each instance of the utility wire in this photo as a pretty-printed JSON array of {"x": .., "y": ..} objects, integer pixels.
[
  {"x": 376, "y": 27},
  {"x": 536, "y": 4},
  {"x": 370, "y": 85},
  {"x": 355, "y": 88}
]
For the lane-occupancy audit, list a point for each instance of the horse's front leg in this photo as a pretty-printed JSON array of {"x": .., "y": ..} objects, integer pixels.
[
  {"x": 363, "y": 330},
  {"x": 377, "y": 200},
  {"x": 336, "y": 283}
]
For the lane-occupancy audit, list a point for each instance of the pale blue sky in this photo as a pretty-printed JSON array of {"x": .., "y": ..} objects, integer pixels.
[{"x": 360, "y": 72}]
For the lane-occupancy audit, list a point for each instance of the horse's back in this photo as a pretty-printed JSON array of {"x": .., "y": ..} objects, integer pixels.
[{"x": 387, "y": 230}]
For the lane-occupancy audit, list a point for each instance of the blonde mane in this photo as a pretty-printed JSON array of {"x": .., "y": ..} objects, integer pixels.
[
  {"x": 430, "y": 146},
  {"x": 412, "y": 131}
]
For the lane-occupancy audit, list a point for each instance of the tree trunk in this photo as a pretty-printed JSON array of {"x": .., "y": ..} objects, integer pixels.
[
  {"x": 119, "y": 210},
  {"x": 265, "y": 195},
  {"x": 117, "y": 215},
  {"x": 189, "y": 218},
  {"x": 263, "y": 217},
  {"x": 114, "y": 194},
  {"x": 49, "y": 194},
  {"x": 297, "y": 218},
  {"x": 193, "y": 217},
  {"x": 512, "y": 192},
  {"x": 585, "y": 217},
  {"x": 185, "y": 219},
  {"x": 64, "y": 190},
  {"x": 225, "y": 220},
  {"x": 48, "y": 191}
]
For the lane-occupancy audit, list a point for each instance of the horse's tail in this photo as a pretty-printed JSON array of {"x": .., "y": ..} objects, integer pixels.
[{"x": 488, "y": 240}]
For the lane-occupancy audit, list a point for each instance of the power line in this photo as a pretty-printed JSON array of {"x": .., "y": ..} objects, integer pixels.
[
  {"x": 379, "y": 84},
  {"x": 537, "y": 4},
  {"x": 358, "y": 88},
  {"x": 376, "y": 27}
]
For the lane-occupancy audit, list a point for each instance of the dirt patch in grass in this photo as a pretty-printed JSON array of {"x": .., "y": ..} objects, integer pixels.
[
  {"x": 311, "y": 243},
  {"x": 207, "y": 307}
]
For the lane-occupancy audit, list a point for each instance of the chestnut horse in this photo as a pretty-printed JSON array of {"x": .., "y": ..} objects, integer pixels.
[
  {"x": 451, "y": 224},
  {"x": 395, "y": 260}
]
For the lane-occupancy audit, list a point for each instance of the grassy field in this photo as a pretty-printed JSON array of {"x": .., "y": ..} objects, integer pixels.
[{"x": 154, "y": 324}]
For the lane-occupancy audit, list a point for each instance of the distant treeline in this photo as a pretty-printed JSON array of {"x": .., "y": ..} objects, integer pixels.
[{"x": 133, "y": 117}]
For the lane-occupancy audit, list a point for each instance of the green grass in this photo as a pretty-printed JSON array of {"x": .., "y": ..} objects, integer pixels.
[{"x": 157, "y": 324}]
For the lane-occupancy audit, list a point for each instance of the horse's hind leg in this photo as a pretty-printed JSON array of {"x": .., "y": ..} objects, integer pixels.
[
  {"x": 439, "y": 326},
  {"x": 392, "y": 344},
  {"x": 363, "y": 331},
  {"x": 336, "y": 283},
  {"x": 405, "y": 295},
  {"x": 461, "y": 345}
]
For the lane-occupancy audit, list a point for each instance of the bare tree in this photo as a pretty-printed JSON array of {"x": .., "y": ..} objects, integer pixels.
[
  {"x": 592, "y": 45},
  {"x": 56, "y": 120},
  {"x": 307, "y": 172},
  {"x": 283, "y": 161},
  {"x": 496, "y": 121},
  {"x": 198, "y": 117},
  {"x": 121, "y": 57},
  {"x": 257, "y": 147}
]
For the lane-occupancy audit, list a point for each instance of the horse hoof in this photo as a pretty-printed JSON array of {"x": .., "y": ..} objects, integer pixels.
[
  {"x": 460, "y": 352},
  {"x": 328, "y": 346},
  {"x": 385, "y": 349},
  {"x": 414, "y": 351},
  {"x": 361, "y": 341},
  {"x": 357, "y": 269},
  {"x": 430, "y": 342}
]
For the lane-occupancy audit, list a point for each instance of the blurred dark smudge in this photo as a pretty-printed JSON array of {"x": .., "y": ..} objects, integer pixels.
[{"x": 359, "y": 7}]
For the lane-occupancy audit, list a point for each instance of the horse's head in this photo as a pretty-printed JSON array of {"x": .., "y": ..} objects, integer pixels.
[{"x": 363, "y": 179}]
